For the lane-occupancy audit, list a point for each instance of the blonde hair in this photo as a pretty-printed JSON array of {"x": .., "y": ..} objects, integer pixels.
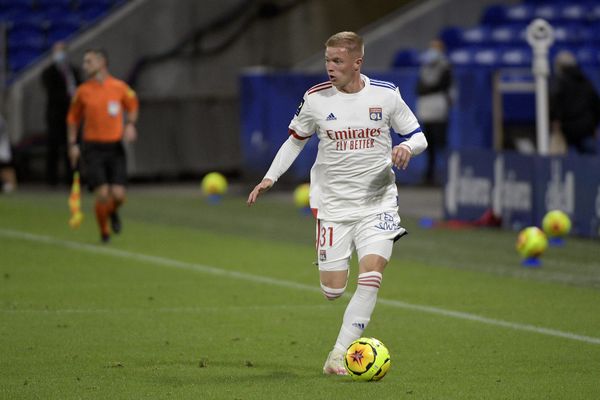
[{"x": 348, "y": 40}]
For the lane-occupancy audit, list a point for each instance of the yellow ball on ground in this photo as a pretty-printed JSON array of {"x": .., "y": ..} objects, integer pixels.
[
  {"x": 531, "y": 242},
  {"x": 556, "y": 223},
  {"x": 214, "y": 183},
  {"x": 367, "y": 359},
  {"x": 301, "y": 195}
]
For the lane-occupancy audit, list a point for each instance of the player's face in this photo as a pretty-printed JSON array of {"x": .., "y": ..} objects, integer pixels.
[
  {"x": 92, "y": 64},
  {"x": 341, "y": 66}
]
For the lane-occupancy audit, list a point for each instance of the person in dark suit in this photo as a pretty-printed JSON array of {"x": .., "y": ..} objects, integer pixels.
[
  {"x": 574, "y": 104},
  {"x": 60, "y": 81},
  {"x": 434, "y": 91}
]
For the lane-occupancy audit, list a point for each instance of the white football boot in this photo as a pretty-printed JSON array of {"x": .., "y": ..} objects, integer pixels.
[{"x": 335, "y": 363}]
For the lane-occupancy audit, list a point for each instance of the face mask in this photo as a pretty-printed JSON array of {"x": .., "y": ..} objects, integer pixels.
[
  {"x": 431, "y": 56},
  {"x": 59, "y": 56}
]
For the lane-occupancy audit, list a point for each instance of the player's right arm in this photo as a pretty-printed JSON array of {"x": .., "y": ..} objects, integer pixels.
[
  {"x": 286, "y": 155},
  {"x": 262, "y": 187},
  {"x": 73, "y": 121},
  {"x": 301, "y": 122}
]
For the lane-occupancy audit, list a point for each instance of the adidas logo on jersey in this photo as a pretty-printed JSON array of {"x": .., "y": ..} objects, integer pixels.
[{"x": 331, "y": 117}]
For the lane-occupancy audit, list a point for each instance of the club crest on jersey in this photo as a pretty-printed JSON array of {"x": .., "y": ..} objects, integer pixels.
[
  {"x": 375, "y": 113},
  {"x": 322, "y": 255}
]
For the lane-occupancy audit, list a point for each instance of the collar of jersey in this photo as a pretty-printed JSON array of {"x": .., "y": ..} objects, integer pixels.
[{"x": 367, "y": 82}]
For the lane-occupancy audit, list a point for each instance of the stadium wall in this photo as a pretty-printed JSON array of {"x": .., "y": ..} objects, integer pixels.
[
  {"x": 139, "y": 28},
  {"x": 189, "y": 118},
  {"x": 412, "y": 26},
  {"x": 521, "y": 189}
]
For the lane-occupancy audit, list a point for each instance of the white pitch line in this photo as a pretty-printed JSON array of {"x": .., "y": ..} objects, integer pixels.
[
  {"x": 167, "y": 262},
  {"x": 168, "y": 310}
]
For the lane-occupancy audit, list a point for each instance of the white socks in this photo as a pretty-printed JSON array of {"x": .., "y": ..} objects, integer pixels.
[{"x": 359, "y": 310}]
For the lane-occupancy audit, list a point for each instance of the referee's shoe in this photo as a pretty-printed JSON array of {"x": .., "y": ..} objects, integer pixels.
[{"x": 115, "y": 222}]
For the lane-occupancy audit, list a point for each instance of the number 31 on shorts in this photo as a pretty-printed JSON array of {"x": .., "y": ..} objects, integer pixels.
[{"x": 325, "y": 236}]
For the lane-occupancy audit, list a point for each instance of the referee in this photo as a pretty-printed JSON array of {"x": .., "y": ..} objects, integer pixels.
[{"x": 108, "y": 109}]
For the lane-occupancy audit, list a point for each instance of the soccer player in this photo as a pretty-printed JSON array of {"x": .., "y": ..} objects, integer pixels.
[
  {"x": 100, "y": 103},
  {"x": 353, "y": 192}
]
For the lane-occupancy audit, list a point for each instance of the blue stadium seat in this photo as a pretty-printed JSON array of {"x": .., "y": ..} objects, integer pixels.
[
  {"x": 494, "y": 15},
  {"x": 461, "y": 56},
  {"x": 522, "y": 13},
  {"x": 13, "y": 12},
  {"x": 477, "y": 36},
  {"x": 26, "y": 34},
  {"x": 486, "y": 57},
  {"x": 576, "y": 25},
  {"x": 586, "y": 34},
  {"x": 45, "y": 4},
  {"x": 512, "y": 34},
  {"x": 406, "y": 58},
  {"x": 91, "y": 14},
  {"x": 574, "y": 13},
  {"x": 520, "y": 56},
  {"x": 452, "y": 37},
  {"x": 549, "y": 12},
  {"x": 594, "y": 31},
  {"x": 542, "y": 1},
  {"x": 566, "y": 34},
  {"x": 475, "y": 56},
  {"x": 61, "y": 30},
  {"x": 98, "y": 3},
  {"x": 593, "y": 13},
  {"x": 588, "y": 55},
  {"x": 55, "y": 13},
  {"x": 24, "y": 17},
  {"x": 70, "y": 19},
  {"x": 4, "y": 4},
  {"x": 21, "y": 58}
]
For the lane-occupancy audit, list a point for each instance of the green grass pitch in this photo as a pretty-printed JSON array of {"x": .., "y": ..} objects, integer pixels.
[{"x": 196, "y": 301}]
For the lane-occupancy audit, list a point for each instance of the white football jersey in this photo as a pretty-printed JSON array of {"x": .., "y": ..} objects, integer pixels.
[{"x": 352, "y": 176}]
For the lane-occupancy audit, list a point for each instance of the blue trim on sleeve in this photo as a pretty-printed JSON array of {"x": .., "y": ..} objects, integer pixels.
[
  {"x": 410, "y": 134},
  {"x": 384, "y": 84}
]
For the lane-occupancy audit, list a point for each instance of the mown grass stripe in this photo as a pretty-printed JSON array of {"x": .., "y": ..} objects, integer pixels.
[{"x": 170, "y": 263}]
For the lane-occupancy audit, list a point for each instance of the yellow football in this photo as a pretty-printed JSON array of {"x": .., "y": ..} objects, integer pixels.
[
  {"x": 301, "y": 195},
  {"x": 214, "y": 183},
  {"x": 556, "y": 223},
  {"x": 531, "y": 242}
]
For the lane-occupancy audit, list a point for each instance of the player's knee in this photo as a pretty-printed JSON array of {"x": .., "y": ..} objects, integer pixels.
[
  {"x": 118, "y": 193},
  {"x": 332, "y": 293},
  {"x": 102, "y": 193}
]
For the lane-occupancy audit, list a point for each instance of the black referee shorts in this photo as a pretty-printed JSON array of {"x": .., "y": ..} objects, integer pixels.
[{"x": 104, "y": 163}]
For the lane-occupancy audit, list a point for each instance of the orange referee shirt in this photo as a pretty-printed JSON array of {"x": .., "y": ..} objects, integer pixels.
[{"x": 100, "y": 105}]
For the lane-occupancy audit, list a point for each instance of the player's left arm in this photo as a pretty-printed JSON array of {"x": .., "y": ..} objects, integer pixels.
[
  {"x": 131, "y": 106},
  {"x": 130, "y": 130},
  {"x": 405, "y": 123},
  {"x": 402, "y": 153}
]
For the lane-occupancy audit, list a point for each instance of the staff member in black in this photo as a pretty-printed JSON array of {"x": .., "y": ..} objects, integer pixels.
[{"x": 60, "y": 80}]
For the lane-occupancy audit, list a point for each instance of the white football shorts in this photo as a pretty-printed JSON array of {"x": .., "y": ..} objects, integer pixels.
[{"x": 374, "y": 234}]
